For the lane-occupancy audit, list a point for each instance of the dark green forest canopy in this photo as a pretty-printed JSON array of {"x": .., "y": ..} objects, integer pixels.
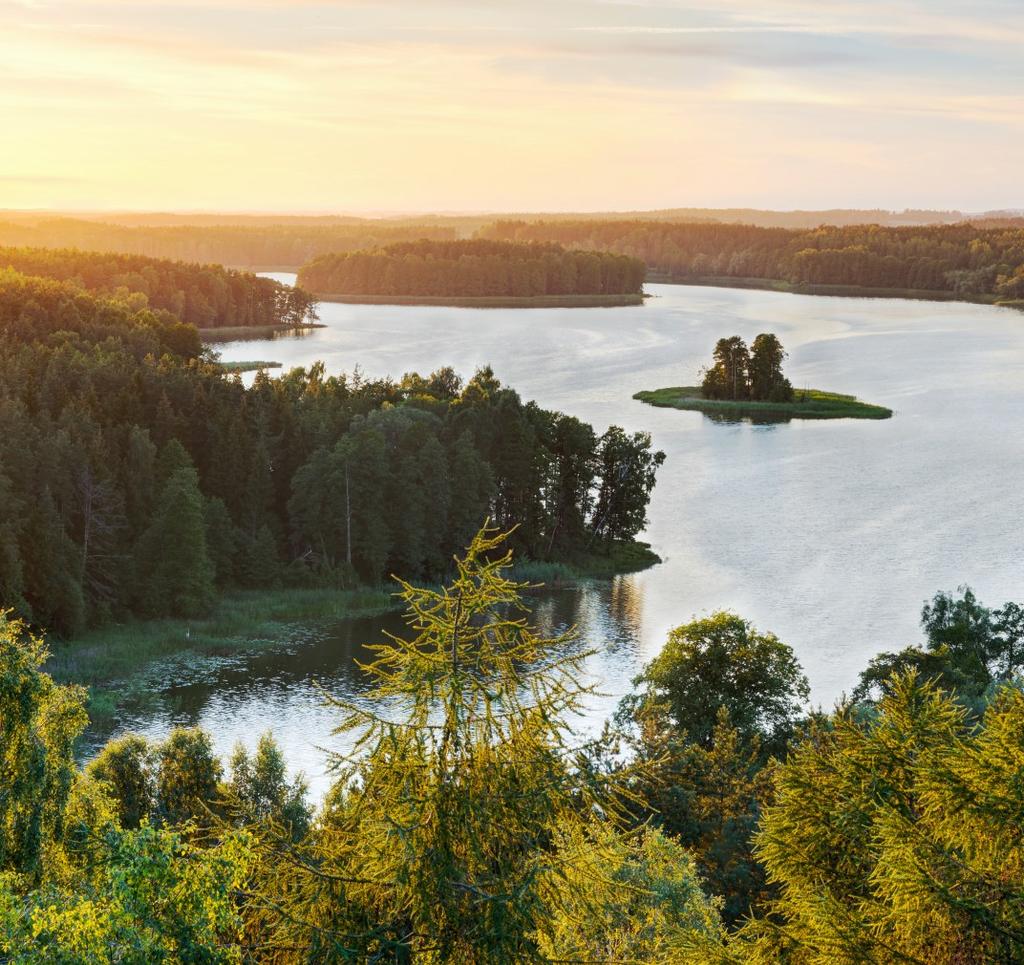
[
  {"x": 474, "y": 268},
  {"x": 207, "y": 296},
  {"x": 136, "y": 478},
  {"x": 960, "y": 259}
]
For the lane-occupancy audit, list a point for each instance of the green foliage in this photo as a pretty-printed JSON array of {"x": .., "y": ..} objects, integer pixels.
[
  {"x": 259, "y": 790},
  {"x": 728, "y": 377},
  {"x": 124, "y": 766},
  {"x": 627, "y": 468},
  {"x": 722, "y": 661},
  {"x": 156, "y": 898},
  {"x": 39, "y": 723},
  {"x": 187, "y": 776},
  {"x": 438, "y": 838},
  {"x": 227, "y": 240},
  {"x": 740, "y": 374},
  {"x": 305, "y": 478},
  {"x": 767, "y": 383},
  {"x": 968, "y": 649},
  {"x": 706, "y": 797},
  {"x": 175, "y": 572},
  {"x": 626, "y": 899},
  {"x": 200, "y": 295},
  {"x": 805, "y": 404},
  {"x": 898, "y": 838}
]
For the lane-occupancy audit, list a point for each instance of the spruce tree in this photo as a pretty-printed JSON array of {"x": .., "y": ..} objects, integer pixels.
[{"x": 175, "y": 575}]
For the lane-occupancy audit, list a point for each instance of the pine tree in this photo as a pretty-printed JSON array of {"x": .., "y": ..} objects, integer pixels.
[
  {"x": 767, "y": 383},
  {"x": 52, "y": 568}
]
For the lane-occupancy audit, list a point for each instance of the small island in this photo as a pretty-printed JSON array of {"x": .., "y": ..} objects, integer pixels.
[
  {"x": 477, "y": 274},
  {"x": 233, "y": 368},
  {"x": 744, "y": 383}
]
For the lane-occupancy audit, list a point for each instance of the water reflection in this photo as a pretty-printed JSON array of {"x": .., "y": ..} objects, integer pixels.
[
  {"x": 830, "y": 534},
  {"x": 284, "y": 688}
]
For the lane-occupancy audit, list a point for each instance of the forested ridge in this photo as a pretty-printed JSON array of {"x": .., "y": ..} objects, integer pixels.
[
  {"x": 136, "y": 478},
  {"x": 259, "y": 244},
  {"x": 473, "y": 268},
  {"x": 984, "y": 257},
  {"x": 960, "y": 259},
  {"x": 207, "y": 296}
]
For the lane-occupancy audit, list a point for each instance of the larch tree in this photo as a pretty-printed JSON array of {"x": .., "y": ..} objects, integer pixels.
[
  {"x": 463, "y": 814},
  {"x": 896, "y": 838}
]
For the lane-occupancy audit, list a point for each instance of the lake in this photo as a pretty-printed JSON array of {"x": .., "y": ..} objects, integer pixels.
[{"x": 829, "y": 534}]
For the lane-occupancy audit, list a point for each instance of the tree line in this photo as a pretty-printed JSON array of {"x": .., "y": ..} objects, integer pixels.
[
  {"x": 961, "y": 259},
  {"x": 136, "y": 478},
  {"x": 715, "y": 820},
  {"x": 207, "y": 296},
  {"x": 473, "y": 268},
  {"x": 749, "y": 374},
  {"x": 251, "y": 243}
]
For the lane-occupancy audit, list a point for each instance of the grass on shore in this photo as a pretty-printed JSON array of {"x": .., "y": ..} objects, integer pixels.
[
  {"x": 232, "y": 367},
  {"x": 807, "y": 404},
  {"x": 622, "y": 557},
  {"x": 111, "y": 660},
  {"x": 489, "y": 301},
  {"x": 1017, "y": 303},
  {"x": 112, "y": 654},
  {"x": 237, "y": 333}
]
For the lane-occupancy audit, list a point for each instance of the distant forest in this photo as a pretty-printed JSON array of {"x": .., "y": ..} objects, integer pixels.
[
  {"x": 136, "y": 478},
  {"x": 960, "y": 259},
  {"x": 253, "y": 245},
  {"x": 936, "y": 251},
  {"x": 474, "y": 268},
  {"x": 207, "y": 296}
]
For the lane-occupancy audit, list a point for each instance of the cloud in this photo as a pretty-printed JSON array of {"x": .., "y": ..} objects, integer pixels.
[{"x": 420, "y": 103}]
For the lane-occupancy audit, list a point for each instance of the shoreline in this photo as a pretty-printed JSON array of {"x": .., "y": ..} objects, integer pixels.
[
  {"x": 726, "y": 281},
  {"x": 488, "y": 301},
  {"x": 833, "y": 291},
  {"x": 807, "y": 404},
  {"x": 239, "y": 333},
  {"x": 112, "y": 660}
]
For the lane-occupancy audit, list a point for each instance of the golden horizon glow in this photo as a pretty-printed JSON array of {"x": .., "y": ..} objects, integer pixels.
[{"x": 568, "y": 105}]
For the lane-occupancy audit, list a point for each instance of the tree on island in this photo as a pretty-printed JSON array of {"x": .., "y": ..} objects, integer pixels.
[
  {"x": 739, "y": 373},
  {"x": 767, "y": 383}
]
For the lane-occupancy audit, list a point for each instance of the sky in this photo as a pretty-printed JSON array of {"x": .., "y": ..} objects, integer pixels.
[{"x": 516, "y": 105}]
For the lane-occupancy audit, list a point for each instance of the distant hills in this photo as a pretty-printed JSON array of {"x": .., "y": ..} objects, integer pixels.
[{"x": 466, "y": 223}]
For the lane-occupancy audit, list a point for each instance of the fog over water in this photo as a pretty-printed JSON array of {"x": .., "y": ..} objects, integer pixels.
[{"x": 829, "y": 534}]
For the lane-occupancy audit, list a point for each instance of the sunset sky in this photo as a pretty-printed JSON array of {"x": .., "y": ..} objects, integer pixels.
[{"x": 414, "y": 105}]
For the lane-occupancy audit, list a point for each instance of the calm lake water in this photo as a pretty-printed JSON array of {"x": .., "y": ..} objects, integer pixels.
[{"x": 829, "y": 534}]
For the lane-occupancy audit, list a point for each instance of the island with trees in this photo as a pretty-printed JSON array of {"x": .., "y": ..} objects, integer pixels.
[
  {"x": 748, "y": 383},
  {"x": 477, "y": 273}
]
